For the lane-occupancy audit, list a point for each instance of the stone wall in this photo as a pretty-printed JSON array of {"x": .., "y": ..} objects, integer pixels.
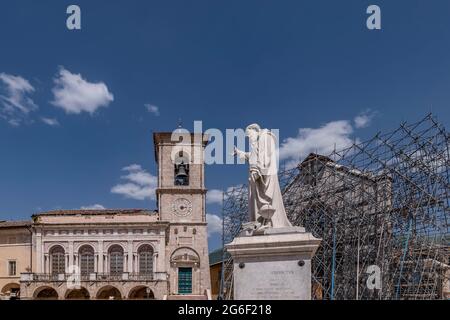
[{"x": 15, "y": 245}]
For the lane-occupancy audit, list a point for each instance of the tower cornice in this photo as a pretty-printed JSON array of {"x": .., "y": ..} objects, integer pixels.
[
  {"x": 165, "y": 138},
  {"x": 181, "y": 191}
]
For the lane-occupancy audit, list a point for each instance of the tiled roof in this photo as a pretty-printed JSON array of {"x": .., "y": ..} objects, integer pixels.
[
  {"x": 15, "y": 224},
  {"x": 95, "y": 212}
]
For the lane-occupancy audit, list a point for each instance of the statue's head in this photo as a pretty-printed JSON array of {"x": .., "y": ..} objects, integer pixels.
[{"x": 252, "y": 131}]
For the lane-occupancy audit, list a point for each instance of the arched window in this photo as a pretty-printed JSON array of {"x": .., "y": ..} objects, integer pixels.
[
  {"x": 86, "y": 254},
  {"x": 57, "y": 260},
  {"x": 145, "y": 254},
  {"x": 116, "y": 260},
  {"x": 181, "y": 170}
]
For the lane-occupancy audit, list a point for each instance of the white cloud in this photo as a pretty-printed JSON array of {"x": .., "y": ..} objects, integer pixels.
[
  {"x": 214, "y": 196},
  {"x": 152, "y": 109},
  {"x": 15, "y": 103},
  {"x": 50, "y": 121},
  {"x": 214, "y": 224},
  {"x": 138, "y": 184},
  {"x": 132, "y": 167},
  {"x": 74, "y": 94},
  {"x": 13, "y": 122},
  {"x": 93, "y": 207},
  {"x": 363, "y": 119},
  {"x": 323, "y": 140}
]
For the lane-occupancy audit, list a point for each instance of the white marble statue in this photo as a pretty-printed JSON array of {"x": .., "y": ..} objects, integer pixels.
[{"x": 266, "y": 208}]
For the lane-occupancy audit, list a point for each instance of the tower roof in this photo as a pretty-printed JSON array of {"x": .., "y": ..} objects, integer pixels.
[{"x": 166, "y": 137}]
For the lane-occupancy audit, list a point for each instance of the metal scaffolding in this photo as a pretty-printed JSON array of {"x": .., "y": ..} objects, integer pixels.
[{"x": 381, "y": 205}]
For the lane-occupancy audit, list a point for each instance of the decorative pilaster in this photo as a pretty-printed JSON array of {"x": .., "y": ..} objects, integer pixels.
[
  {"x": 39, "y": 253},
  {"x": 130, "y": 257},
  {"x": 76, "y": 260},
  {"x": 67, "y": 266},
  {"x": 95, "y": 261},
  {"x": 135, "y": 263},
  {"x": 100, "y": 258},
  {"x": 155, "y": 267},
  {"x": 71, "y": 253},
  {"x": 125, "y": 262},
  {"x": 46, "y": 263}
]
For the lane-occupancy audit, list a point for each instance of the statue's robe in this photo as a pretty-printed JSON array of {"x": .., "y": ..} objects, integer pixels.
[{"x": 264, "y": 188}]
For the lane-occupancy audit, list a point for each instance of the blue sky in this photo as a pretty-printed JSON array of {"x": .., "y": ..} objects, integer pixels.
[{"x": 309, "y": 68}]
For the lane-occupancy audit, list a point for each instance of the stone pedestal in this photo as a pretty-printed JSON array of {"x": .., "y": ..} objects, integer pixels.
[{"x": 274, "y": 265}]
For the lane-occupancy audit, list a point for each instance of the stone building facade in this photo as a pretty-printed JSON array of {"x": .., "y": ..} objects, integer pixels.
[
  {"x": 15, "y": 255},
  {"x": 124, "y": 253}
]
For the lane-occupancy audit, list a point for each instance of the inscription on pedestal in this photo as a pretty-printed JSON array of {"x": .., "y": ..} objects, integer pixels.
[{"x": 273, "y": 280}]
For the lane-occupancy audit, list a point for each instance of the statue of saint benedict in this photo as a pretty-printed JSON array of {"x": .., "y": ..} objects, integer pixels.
[{"x": 266, "y": 208}]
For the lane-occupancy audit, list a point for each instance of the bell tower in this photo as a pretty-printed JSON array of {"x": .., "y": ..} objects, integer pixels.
[
  {"x": 181, "y": 200},
  {"x": 181, "y": 184}
]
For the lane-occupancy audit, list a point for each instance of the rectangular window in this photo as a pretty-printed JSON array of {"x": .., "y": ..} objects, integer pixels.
[{"x": 12, "y": 268}]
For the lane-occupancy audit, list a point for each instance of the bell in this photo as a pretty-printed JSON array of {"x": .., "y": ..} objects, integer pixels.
[{"x": 181, "y": 171}]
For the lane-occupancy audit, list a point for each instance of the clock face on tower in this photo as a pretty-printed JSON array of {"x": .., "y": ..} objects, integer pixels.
[{"x": 182, "y": 207}]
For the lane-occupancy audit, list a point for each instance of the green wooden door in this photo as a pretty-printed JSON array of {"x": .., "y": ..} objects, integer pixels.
[{"x": 184, "y": 280}]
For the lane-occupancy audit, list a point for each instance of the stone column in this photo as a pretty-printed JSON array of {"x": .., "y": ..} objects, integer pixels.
[
  {"x": 155, "y": 265},
  {"x": 95, "y": 261},
  {"x": 46, "y": 262},
  {"x": 130, "y": 256},
  {"x": 100, "y": 258},
  {"x": 71, "y": 253},
  {"x": 135, "y": 263},
  {"x": 67, "y": 265},
  {"x": 275, "y": 265},
  {"x": 76, "y": 260},
  {"x": 39, "y": 253},
  {"x": 42, "y": 255}
]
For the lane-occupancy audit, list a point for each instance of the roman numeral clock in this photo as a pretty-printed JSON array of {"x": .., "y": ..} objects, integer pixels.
[{"x": 182, "y": 207}]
